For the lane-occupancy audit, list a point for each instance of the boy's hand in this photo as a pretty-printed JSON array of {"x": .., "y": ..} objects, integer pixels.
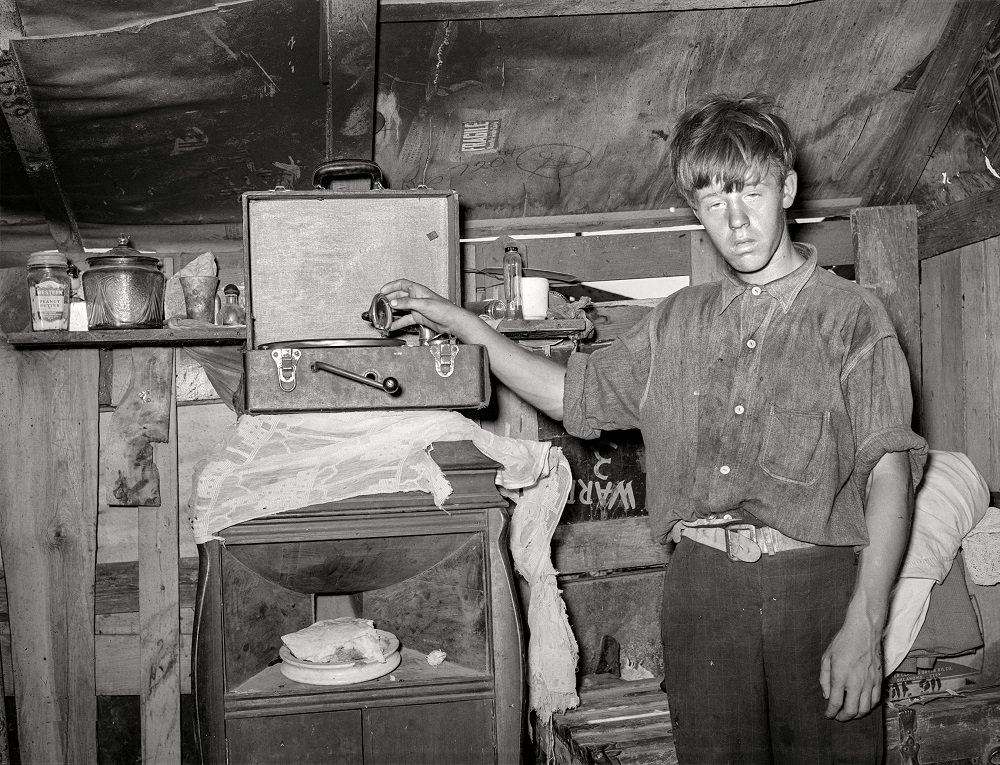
[
  {"x": 851, "y": 671},
  {"x": 421, "y": 305}
]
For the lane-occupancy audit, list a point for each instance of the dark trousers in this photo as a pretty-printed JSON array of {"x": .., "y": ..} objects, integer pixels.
[{"x": 742, "y": 645}]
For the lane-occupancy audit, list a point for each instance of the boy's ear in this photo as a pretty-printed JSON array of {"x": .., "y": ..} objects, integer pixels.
[{"x": 789, "y": 188}]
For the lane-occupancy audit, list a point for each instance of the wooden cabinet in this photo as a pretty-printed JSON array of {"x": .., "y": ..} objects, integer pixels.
[{"x": 437, "y": 579}]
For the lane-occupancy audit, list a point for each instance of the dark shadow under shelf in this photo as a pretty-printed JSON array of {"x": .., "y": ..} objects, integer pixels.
[{"x": 111, "y": 338}]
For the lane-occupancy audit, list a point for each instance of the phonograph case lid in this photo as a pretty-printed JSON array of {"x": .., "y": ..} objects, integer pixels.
[{"x": 314, "y": 259}]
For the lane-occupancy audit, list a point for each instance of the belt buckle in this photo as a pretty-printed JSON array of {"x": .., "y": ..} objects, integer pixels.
[{"x": 740, "y": 547}]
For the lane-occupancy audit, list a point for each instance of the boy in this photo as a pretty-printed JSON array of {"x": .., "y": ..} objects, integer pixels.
[{"x": 775, "y": 407}]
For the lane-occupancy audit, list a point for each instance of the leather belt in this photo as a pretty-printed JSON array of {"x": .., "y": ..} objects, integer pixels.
[{"x": 740, "y": 541}]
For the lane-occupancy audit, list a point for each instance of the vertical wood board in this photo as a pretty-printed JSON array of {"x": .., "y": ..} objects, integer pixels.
[
  {"x": 952, "y": 360},
  {"x": 48, "y": 528},
  {"x": 935, "y": 396},
  {"x": 885, "y": 245},
  {"x": 706, "y": 263},
  {"x": 981, "y": 324},
  {"x": 141, "y": 418},
  {"x": 159, "y": 603}
]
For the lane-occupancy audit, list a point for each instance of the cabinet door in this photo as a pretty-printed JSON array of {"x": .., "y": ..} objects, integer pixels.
[
  {"x": 332, "y": 738},
  {"x": 452, "y": 733}
]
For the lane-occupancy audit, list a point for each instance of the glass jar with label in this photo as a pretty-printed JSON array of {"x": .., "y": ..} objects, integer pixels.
[{"x": 49, "y": 290}]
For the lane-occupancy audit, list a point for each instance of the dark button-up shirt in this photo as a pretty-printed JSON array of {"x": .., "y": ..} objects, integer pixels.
[{"x": 776, "y": 399}]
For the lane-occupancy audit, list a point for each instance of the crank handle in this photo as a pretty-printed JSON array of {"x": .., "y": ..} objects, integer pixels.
[{"x": 389, "y": 384}]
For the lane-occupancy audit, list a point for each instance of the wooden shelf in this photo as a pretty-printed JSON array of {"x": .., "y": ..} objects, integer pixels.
[
  {"x": 114, "y": 338},
  {"x": 544, "y": 329},
  {"x": 399, "y": 686}
]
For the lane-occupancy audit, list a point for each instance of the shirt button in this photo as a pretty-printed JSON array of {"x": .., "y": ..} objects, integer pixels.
[
  {"x": 755, "y": 291},
  {"x": 739, "y": 410},
  {"x": 751, "y": 344},
  {"x": 724, "y": 470}
]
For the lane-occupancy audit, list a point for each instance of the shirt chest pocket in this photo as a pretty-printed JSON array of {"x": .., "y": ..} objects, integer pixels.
[{"x": 794, "y": 445}]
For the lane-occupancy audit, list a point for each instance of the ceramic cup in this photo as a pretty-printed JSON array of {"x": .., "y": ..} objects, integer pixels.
[{"x": 534, "y": 297}]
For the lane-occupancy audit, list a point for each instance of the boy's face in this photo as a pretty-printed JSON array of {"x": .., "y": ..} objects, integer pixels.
[{"x": 748, "y": 226}]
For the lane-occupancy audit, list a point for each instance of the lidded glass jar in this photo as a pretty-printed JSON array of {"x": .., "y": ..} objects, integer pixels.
[
  {"x": 49, "y": 288},
  {"x": 232, "y": 313},
  {"x": 123, "y": 289}
]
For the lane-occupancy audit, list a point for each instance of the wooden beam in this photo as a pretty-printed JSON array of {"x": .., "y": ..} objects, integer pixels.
[
  {"x": 885, "y": 243},
  {"x": 956, "y": 225},
  {"x": 956, "y": 54},
  {"x": 117, "y": 587},
  {"x": 455, "y": 10},
  {"x": 11, "y": 27},
  {"x": 624, "y": 256},
  {"x": 349, "y": 35},
  {"x": 225, "y": 240},
  {"x": 632, "y": 219},
  {"x": 116, "y": 645},
  {"x": 19, "y": 111},
  {"x": 597, "y": 546}
]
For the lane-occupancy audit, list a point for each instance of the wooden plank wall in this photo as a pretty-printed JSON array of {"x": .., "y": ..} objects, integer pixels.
[
  {"x": 960, "y": 318},
  {"x": 960, "y": 329},
  {"x": 141, "y": 604}
]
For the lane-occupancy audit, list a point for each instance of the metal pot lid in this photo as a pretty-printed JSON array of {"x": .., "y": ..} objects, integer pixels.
[
  {"x": 335, "y": 342},
  {"x": 122, "y": 251}
]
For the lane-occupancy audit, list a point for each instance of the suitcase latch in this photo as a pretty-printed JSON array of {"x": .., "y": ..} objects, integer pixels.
[
  {"x": 444, "y": 352},
  {"x": 286, "y": 359}
]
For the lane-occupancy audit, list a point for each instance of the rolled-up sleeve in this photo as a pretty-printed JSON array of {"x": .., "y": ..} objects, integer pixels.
[
  {"x": 603, "y": 389},
  {"x": 880, "y": 404}
]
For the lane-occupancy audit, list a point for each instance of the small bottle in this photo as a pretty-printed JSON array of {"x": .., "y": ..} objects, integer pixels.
[
  {"x": 512, "y": 267},
  {"x": 77, "y": 303},
  {"x": 232, "y": 313},
  {"x": 49, "y": 290},
  {"x": 493, "y": 309}
]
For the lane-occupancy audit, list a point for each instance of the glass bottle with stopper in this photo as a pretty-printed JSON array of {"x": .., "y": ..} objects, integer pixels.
[
  {"x": 232, "y": 313},
  {"x": 512, "y": 268}
]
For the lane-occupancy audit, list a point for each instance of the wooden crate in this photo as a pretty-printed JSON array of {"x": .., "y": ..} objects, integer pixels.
[
  {"x": 951, "y": 729},
  {"x": 617, "y": 722}
]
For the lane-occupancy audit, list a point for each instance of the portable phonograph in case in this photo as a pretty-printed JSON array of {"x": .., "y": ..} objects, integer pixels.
[{"x": 314, "y": 262}]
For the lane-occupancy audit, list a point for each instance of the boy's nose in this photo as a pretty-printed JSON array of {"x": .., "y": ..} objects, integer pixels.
[{"x": 737, "y": 217}]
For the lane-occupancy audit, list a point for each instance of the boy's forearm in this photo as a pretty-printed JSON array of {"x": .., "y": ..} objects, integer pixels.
[
  {"x": 888, "y": 512},
  {"x": 536, "y": 378},
  {"x": 852, "y": 668}
]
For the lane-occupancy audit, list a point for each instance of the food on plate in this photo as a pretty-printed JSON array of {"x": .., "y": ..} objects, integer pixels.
[{"x": 340, "y": 640}]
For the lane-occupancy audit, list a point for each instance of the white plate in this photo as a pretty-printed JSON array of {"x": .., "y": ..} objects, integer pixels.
[{"x": 341, "y": 673}]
